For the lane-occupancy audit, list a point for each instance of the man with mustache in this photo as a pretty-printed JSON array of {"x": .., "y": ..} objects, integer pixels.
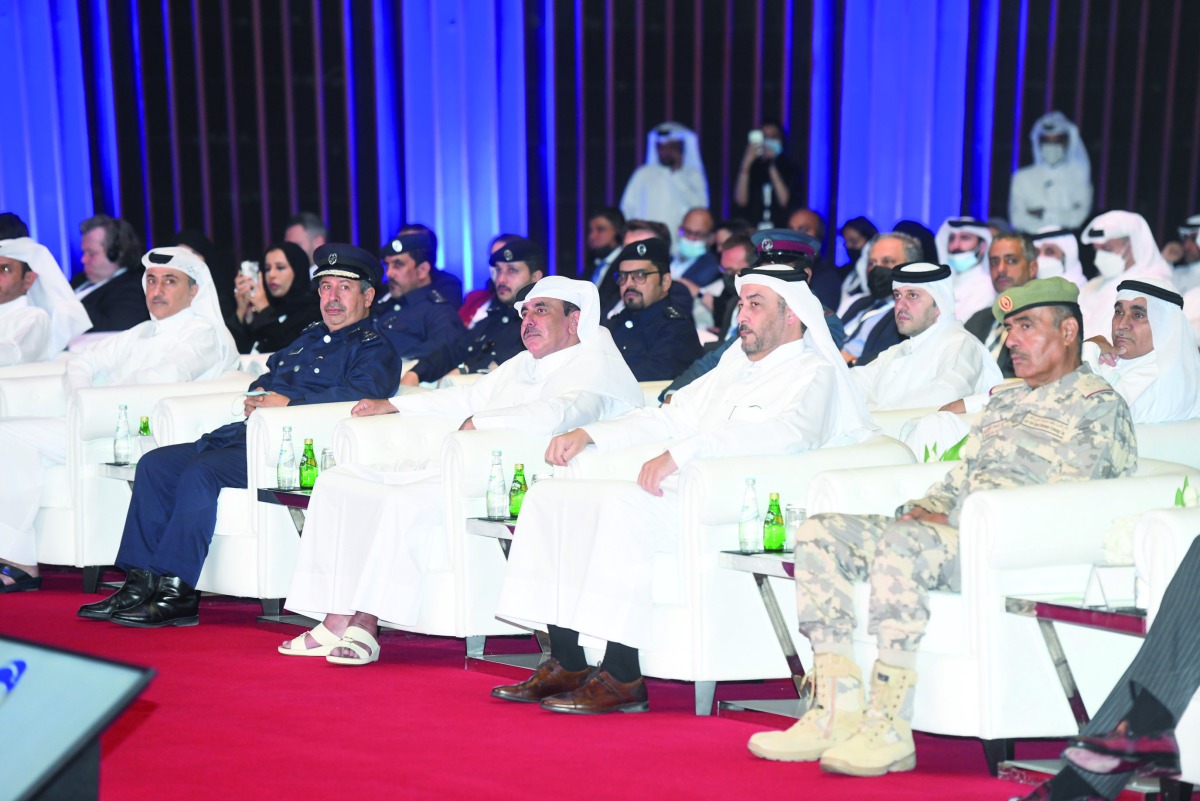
[
  {"x": 173, "y": 511},
  {"x": 657, "y": 339},
  {"x": 1061, "y": 423},
  {"x": 1012, "y": 259},
  {"x": 417, "y": 316},
  {"x": 494, "y": 335},
  {"x": 370, "y": 533}
]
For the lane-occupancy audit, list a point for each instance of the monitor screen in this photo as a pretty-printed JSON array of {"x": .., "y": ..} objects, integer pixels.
[{"x": 59, "y": 701}]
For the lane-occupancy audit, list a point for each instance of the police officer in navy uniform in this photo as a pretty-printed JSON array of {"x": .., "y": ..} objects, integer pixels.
[
  {"x": 174, "y": 507},
  {"x": 447, "y": 284},
  {"x": 417, "y": 318},
  {"x": 656, "y": 337},
  {"x": 496, "y": 337}
]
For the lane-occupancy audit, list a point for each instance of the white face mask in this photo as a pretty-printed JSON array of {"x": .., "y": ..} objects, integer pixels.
[
  {"x": 961, "y": 262},
  {"x": 1109, "y": 264},
  {"x": 691, "y": 248},
  {"x": 1049, "y": 267},
  {"x": 773, "y": 146},
  {"x": 1053, "y": 153}
]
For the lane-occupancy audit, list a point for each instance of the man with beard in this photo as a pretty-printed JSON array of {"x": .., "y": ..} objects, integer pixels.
[
  {"x": 417, "y": 318},
  {"x": 656, "y": 338},
  {"x": 869, "y": 322},
  {"x": 605, "y": 234},
  {"x": 496, "y": 337},
  {"x": 1013, "y": 262}
]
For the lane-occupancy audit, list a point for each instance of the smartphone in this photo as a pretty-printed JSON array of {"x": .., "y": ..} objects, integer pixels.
[
  {"x": 755, "y": 137},
  {"x": 257, "y": 393},
  {"x": 250, "y": 270}
]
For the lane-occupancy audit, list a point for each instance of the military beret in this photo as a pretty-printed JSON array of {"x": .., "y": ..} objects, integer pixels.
[
  {"x": 403, "y": 243},
  {"x": 785, "y": 241},
  {"x": 652, "y": 250},
  {"x": 1038, "y": 292},
  {"x": 518, "y": 249},
  {"x": 346, "y": 261}
]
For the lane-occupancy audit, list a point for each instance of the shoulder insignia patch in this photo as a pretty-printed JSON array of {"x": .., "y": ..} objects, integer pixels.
[
  {"x": 368, "y": 335},
  {"x": 436, "y": 296},
  {"x": 1093, "y": 384},
  {"x": 673, "y": 313},
  {"x": 1011, "y": 383},
  {"x": 311, "y": 326}
]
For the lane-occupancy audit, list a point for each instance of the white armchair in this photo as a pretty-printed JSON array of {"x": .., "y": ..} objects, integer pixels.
[
  {"x": 984, "y": 672},
  {"x": 34, "y": 395},
  {"x": 1170, "y": 442}
]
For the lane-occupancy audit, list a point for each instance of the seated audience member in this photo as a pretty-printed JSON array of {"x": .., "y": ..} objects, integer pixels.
[
  {"x": 963, "y": 243},
  {"x": 39, "y": 314},
  {"x": 306, "y": 230},
  {"x": 856, "y": 233},
  {"x": 784, "y": 390},
  {"x": 12, "y": 226},
  {"x": 737, "y": 253},
  {"x": 656, "y": 338},
  {"x": 1152, "y": 360},
  {"x": 694, "y": 250},
  {"x": 940, "y": 361},
  {"x": 1058, "y": 255},
  {"x": 826, "y": 281},
  {"x": 605, "y": 235},
  {"x": 370, "y": 534},
  {"x": 775, "y": 246},
  {"x": 449, "y": 285},
  {"x": 640, "y": 231},
  {"x": 1133, "y": 732},
  {"x": 1184, "y": 255},
  {"x": 1012, "y": 262},
  {"x": 186, "y": 341},
  {"x": 416, "y": 317},
  {"x": 1125, "y": 249},
  {"x": 905, "y": 557},
  {"x": 494, "y": 337},
  {"x": 110, "y": 287},
  {"x": 173, "y": 511},
  {"x": 478, "y": 301},
  {"x": 277, "y": 304},
  {"x": 869, "y": 321},
  {"x": 763, "y": 190}
]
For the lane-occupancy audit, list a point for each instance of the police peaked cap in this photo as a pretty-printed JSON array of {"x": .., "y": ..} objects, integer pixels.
[
  {"x": 346, "y": 261},
  {"x": 403, "y": 243},
  {"x": 653, "y": 250},
  {"x": 786, "y": 242},
  {"x": 517, "y": 249}
]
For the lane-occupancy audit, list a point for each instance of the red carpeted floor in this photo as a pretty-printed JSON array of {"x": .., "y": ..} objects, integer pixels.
[{"x": 228, "y": 717}]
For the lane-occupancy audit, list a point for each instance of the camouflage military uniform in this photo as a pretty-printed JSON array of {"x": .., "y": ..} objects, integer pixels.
[{"x": 1073, "y": 429}]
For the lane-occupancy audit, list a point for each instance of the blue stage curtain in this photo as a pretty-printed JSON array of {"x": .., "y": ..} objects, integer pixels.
[{"x": 45, "y": 169}]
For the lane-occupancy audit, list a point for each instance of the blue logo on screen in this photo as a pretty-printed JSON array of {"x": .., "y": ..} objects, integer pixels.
[{"x": 10, "y": 674}]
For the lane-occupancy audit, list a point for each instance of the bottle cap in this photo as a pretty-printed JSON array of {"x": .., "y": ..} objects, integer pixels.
[
  {"x": 308, "y": 440},
  {"x": 518, "y": 466}
]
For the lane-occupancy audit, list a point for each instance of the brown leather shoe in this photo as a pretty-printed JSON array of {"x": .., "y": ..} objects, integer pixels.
[
  {"x": 549, "y": 679},
  {"x": 599, "y": 694}
]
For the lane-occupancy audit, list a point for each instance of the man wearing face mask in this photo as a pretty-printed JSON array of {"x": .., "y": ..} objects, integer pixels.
[
  {"x": 1125, "y": 249},
  {"x": 764, "y": 182},
  {"x": 870, "y": 325},
  {"x": 962, "y": 243},
  {"x": 694, "y": 263},
  {"x": 670, "y": 182},
  {"x": 1185, "y": 255},
  {"x": 1058, "y": 255},
  {"x": 1057, "y": 188}
]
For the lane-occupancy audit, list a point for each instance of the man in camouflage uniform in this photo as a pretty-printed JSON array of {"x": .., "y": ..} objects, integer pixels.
[{"x": 1063, "y": 423}]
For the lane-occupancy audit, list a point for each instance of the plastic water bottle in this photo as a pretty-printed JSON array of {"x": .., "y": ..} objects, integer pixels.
[
  {"x": 497, "y": 489},
  {"x": 123, "y": 440},
  {"x": 285, "y": 470},
  {"x": 750, "y": 522}
]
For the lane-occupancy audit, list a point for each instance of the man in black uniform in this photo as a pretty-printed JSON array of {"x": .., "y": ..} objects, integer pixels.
[
  {"x": 657, "y": 338},
  {"x": 173, "y": 511},
  {"x": 417, "y": 318},
  {"x": 496, "y": 337}
]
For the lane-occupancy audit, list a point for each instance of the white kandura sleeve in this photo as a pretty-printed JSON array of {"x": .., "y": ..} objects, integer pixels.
[
  {"x": 552, "y": 415},
  {"x": 25, "y": 340},
  {"x": 189, "y": 358}
]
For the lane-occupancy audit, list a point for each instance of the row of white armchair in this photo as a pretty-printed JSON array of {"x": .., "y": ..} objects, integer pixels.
[{"x": 984, "y": 673}]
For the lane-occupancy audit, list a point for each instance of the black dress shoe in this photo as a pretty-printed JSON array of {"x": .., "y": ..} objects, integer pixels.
[
  {"x": 1119, "y": 751},
  {"x": 139, "y": 585},
  {"x": 174, "y": 603}
]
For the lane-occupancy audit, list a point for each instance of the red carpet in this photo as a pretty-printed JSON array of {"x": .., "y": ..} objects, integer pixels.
[{"x": 228, "y": 717}]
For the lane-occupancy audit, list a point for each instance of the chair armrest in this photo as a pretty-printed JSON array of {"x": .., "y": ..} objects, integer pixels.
[
  {"x": 467, "y": 459},
  {"x": 98, "y": 405},
  {"x": 264, "y": 432},
  {"x": 1170, "y": 442},
  {"x": 185, "y": 418},
  {"x": 55, "y": 367},
  {"x": 617, "y": 465},
  {"x": 891, "y": 421},
  {"x": 34, "y": 396},
  {"x": 390, "y": 438},
  {"x": 872, "y": 490}
]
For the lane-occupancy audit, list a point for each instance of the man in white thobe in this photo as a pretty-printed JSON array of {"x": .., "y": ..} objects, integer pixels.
[
  {"x": 1058, "y": 255},
  {"x": 582, "y": 552},
  {"x": 39, "y": 314},
  {"x": 1186, "y": 274},
  {"x": 670, "y": 182},
  {"x": 186, "y": 340},
  {"x": 940, "y": 361},
  {"x": 1125, "y": 248},
  {"x": 962, "y": 243},
  {"x": 1151, "y": 360},
  {"x": 1055, "y": 190},
  {"x": 370, "y": 533}
]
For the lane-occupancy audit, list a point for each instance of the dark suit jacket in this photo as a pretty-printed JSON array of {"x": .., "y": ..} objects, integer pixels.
[
  {"x": 980, "y": 325},
  {"x": 118, "y": 305},
  {"x": 882, "y": 336}
]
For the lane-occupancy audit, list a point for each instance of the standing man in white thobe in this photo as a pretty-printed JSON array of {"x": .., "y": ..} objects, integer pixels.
[
  {"x": 1125, "y": 248},
  {"x": 962, "y": 243},
  {"x": 39, "y": 314},
  {"x": 370, "y": 533},
  {"x": 940, "y": 361},
  {"x": 582, "y": 553},
  {"x": 670, "y": 182},
  {"x": 186, "y": 340},
  {"x": 1055, "y": 190}
]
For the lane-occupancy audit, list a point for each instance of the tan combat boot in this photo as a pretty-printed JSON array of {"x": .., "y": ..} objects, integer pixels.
[
  {"x": 885, "y": 742},
  {"x": 836, "y": 714}
]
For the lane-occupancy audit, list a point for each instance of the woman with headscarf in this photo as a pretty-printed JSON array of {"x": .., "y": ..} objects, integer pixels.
[{"x": 274, "y": 307}]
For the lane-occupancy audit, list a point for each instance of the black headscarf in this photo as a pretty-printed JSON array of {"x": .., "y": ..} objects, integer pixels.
[
  {"x": 922, "y": 235},
  {"x": 865, "y": 228},
  {"x": 299, "y": 296}
]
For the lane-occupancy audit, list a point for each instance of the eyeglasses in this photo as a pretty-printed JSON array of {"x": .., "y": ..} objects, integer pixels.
[{"x": 636, "y": 276}]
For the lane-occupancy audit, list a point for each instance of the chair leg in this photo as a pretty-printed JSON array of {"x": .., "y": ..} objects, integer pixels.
[
  {"x": 91, "y": 578},
  {"x": 705, "y": 692},
  {"x": 272, "y": 607},
  {"x": 997, "y": 751},
  {"x": 1174, "y": 790},
  {"x": 475, "y": 643}
]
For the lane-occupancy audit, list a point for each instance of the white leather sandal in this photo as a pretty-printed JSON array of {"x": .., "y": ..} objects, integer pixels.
[
  {"x": 362, "y": 643},
  {"x": 326, "y": 642}
]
